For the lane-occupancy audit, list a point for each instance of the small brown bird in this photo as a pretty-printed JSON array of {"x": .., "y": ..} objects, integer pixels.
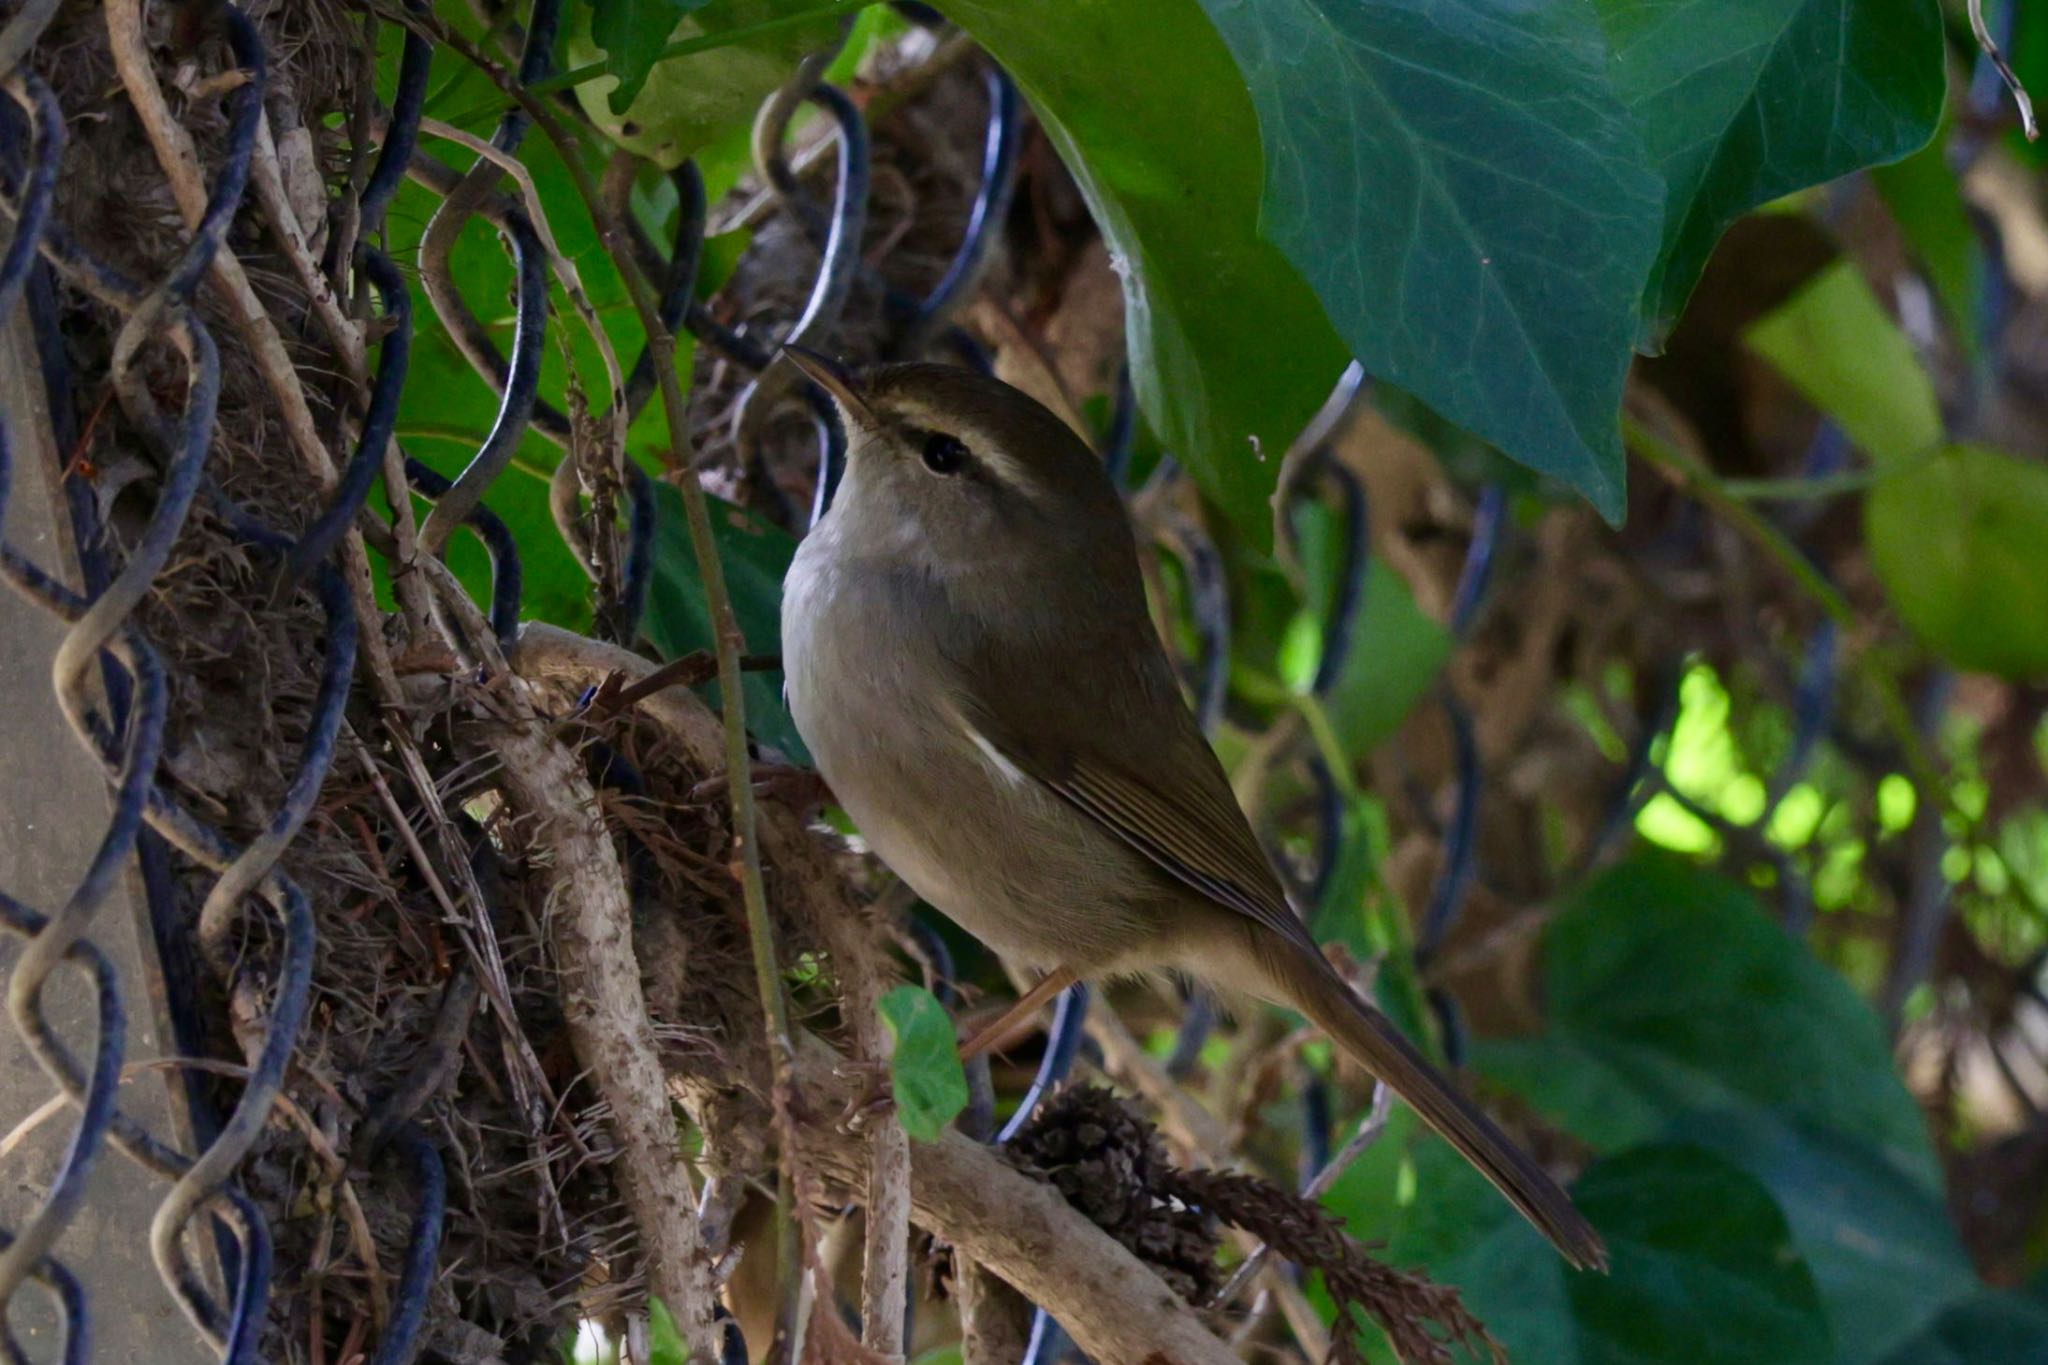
[{"x": 971, "y": 663}]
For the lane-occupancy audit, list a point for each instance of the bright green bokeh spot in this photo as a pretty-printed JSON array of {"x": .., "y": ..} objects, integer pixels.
[
  {"x": 1798, "y": 816},
  {"x": 1896, "y": 801},
  {"x": 1666, "y": 823}
]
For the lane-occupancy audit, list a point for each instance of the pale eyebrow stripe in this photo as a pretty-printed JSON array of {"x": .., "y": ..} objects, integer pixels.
[{"x": 1009, "y": 472}]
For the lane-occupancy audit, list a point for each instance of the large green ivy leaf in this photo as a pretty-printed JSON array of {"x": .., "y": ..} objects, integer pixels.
[
  {"x": 1472, "y": 202},
  {"x": 1742, "y": 101},
  {"x": 1671, "y": 991},
  {"x": 755, "y": 556},
  {"x": 1704, "y": 1271},
  {"x": 1960, "y": 545},
  {"x": 446, "y": 408},
  {"x": 1228, "y": 344}
]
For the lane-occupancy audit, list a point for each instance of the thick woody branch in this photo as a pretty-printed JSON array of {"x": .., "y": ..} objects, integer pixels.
[
  {"x": 1026, "y": 1233},
  {"x": 607, "y": 1017}
]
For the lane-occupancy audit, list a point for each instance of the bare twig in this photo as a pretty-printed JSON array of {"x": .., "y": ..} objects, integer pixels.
[
  {"x": 180, "y": 162},
  {"x": 885, "y": 1275},
  {"x": 1369, "y": 1129},
  {"x": 2020, "y": 98}
]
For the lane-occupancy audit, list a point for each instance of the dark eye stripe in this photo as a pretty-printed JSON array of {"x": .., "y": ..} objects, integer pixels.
[{"x": 944, "y": 454}]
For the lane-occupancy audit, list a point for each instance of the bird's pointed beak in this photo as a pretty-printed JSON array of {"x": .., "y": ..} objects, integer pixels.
[{"x": 834, "y": 378}]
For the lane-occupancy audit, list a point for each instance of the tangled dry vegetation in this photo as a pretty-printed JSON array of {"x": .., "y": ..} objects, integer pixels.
[
  {"x": 533, "y": 934},
  {"x": 486, "y": 858}
]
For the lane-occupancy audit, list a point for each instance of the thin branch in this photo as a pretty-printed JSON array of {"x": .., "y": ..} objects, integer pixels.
[
  {"x": 180, "y": 162},
  {"x": 2012, "y": 81},
  {"x": 885, "y": 1274}
]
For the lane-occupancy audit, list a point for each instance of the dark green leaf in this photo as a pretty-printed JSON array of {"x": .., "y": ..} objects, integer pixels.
[
  {"x": 1882, "y": 1250},
  {"x": 1672, "y": 991},
  {"x": 632, "y": 33},
  {"x": 1959, "y": 544},
  {"x": 1472, "y": 203},
  {"x": 1704, "y": 1270},
  {"x": 1927, "y": 203},
  {"x": 755, "y": 556},
  {"x": 665, "y": 1345},
  {"x": 930, "y": 1086},
  {"x": 1839, "y": 347},
  {"x": 1742, "y": 101},
  {"x": 1984, "y": 1329},
  {"x": 1227, "y": 342},
  {"x": 446, "y": 409}
]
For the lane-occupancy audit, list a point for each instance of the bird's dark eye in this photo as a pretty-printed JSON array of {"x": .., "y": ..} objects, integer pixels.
[{"x": 944, "y": 454}]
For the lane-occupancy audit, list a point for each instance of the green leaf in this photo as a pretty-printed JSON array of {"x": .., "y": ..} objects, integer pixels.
[
  {"x": 1839, "y": 347},
  {"x": 632, "y": 33},
  {"x": 1984, "y": 1329},
  {"x": 1227, "y": 342},
  {"x": 1927, "y": 204},
  {"x": 682, "y": 102},
  {"x": 1473, "y": 204},
  {"x": 1742, "y": 101},
  {"x": 1671, "y": 991},
  {"x": 924, "y": 1069},
  {"x": 665, "y": 1345},
  {"x": 1883, "y": 1253},
  {"x": 1396, "y": 658},
  {"x": 1396, "y": 651},
  {"x": 755, "y": 556},
  {"x": 1960, "y": 546},
  {"x": 1704, "y": 1271}
]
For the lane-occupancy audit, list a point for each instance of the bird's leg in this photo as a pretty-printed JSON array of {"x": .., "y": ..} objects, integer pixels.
[{"x": 994, "y": 1037}]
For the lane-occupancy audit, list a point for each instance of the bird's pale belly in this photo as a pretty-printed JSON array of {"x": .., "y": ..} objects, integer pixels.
[{"x": 986, "y": 845}]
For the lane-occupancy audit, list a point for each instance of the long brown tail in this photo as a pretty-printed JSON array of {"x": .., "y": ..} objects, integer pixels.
[{"x": 1372, "y": 1040}]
